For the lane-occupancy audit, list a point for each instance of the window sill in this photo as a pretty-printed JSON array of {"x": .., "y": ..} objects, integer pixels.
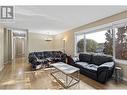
[{"x": 118, "y": 61}]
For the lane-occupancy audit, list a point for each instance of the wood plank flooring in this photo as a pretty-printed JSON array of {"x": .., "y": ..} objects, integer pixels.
[{"x": 18, "y": 75}]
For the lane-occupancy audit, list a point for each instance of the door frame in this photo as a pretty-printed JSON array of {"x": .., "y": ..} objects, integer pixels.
[{"x": 26, "y": 42}]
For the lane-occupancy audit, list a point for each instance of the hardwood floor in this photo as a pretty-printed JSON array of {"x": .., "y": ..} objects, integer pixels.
[{"x": 18, "y": 75}]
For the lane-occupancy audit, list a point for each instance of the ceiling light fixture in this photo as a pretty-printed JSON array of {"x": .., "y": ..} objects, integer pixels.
[{"x": 48, "y": 38}]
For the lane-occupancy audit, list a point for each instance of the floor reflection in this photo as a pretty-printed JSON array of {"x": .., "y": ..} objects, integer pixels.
[{"x": 18, "y": 75}]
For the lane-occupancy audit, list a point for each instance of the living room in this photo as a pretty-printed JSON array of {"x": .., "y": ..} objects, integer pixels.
[{"x": 47, "y": 31}]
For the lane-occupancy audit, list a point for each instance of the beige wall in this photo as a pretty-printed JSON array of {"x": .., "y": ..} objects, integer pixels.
[
  {"x": 37, "y": 43},
  {"x": 1, "y": 47},
  {"x": 69, "y": 42}
]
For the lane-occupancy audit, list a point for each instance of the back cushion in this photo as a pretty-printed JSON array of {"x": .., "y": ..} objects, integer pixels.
[
  {"x": 43, "y": 56},
  {"x": 99, "y": 59},
  {"x": 53, "y": 54},
  {"x": 85, "y": 57},
  {"x": 46, "y": 54},
  {"x": 38, "y": 55}
]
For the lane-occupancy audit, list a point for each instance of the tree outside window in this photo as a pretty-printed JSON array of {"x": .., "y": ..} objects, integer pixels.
[
  {"x": 121, "y": 43},
  {"x": 80, "y": 43}
]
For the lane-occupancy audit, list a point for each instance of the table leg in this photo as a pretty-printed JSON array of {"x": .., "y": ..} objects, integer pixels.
[
  {"x": 78, "y": 75},
  {"x": 66, "y": 81}
]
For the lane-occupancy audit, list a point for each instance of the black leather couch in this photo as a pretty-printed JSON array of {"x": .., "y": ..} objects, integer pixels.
[
  {"x": 37, "y": 59},
  {"x": 99, "y": 67}
]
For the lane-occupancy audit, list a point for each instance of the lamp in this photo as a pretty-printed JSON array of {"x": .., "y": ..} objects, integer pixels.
[{"x": 64, "y": 45}]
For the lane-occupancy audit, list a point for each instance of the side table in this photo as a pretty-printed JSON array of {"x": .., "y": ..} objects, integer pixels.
[{"x": 118, "y": 74}]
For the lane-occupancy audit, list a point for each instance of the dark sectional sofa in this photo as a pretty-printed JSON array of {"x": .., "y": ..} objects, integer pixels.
[
  {"x": 99, "y": 67},
  {"x": 39, "y": 58}
]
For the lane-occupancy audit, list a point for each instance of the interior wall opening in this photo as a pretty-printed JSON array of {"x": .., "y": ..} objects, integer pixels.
[{"x": 15, "y": 43}]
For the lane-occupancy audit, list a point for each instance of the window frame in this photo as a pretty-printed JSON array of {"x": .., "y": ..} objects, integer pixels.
[
  {"x": 110, "y": 26},
  {"x": 76, "y": 44}
]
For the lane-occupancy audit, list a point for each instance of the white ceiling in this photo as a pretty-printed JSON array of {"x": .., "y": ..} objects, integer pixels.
[{"x": 57, "y": 19}]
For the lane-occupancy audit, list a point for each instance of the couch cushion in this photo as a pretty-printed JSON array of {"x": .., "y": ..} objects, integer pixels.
[
  {"x": 38, "y": 55},
  {"x": 53, "y": 54},
  {"x": 83, "y": 64},
  {"x": 107, "y": 64},
  {"x": 46, "y": 54},
  {"x": 99, "y": 59},
  {"x": 85, "y": 57},
  {"x": 92, "y": 67},
  {"x": 88, "y": 66}
]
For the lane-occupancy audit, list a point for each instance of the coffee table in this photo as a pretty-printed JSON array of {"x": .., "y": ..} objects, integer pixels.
[{"x": 71, "y": 74}]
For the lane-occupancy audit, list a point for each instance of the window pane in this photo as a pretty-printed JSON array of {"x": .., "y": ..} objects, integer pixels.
[
  {"x": 80, "y": 43},
  {"x": 121, "y": 43},
  {"x": 100, "y": 42}
]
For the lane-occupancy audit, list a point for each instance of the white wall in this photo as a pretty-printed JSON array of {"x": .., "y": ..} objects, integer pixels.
[
  {"x": 1, "y": 47},
  {"x": 36, "y": 42}
]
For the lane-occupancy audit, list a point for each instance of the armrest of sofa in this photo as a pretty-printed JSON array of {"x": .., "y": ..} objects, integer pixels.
[
  {"x": 103, "y": 71},
  {"x": 107, "y": 65},
  {"x": 75, "y": 59},
  {"x": 32, "y": 58}
]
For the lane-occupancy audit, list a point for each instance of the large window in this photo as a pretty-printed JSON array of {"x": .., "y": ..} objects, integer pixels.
[
  {"x": 121, "y": 43},
  {"x": 80, "y": 43},
  {"x": 110, "y": 41},
  {"x": 99, "y": 42}
]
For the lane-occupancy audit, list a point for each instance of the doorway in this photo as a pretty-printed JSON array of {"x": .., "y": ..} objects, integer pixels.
[
  {"x": 19, "y": 44},
  {"x": 19, "y": 47}
]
